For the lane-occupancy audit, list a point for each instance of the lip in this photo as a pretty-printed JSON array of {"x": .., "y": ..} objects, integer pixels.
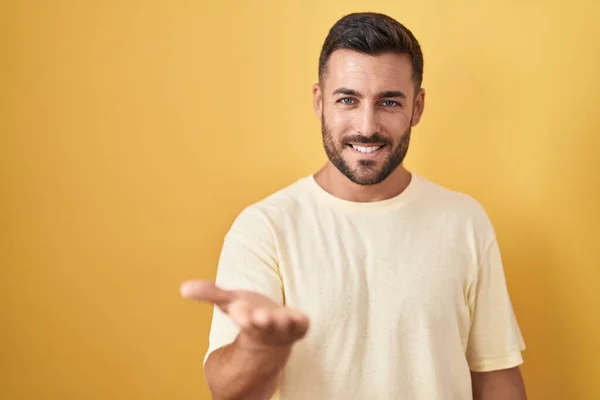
[{"x": 374, "y": 154}]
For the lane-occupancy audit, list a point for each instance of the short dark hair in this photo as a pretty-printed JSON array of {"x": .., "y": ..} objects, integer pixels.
[{"x": 373, "y": 34}]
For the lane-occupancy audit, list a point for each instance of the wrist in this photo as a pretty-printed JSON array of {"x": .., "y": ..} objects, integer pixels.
[{"x": 254, "y": 348}]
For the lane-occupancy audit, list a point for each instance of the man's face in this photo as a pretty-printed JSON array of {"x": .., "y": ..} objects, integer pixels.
[{"x": 367, "y": 107}]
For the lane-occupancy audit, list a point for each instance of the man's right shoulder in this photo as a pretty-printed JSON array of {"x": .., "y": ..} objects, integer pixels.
[{"x": 273, "y": 209}]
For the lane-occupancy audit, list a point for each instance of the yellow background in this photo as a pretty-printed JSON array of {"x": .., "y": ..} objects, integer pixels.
[{"x": 133, "y": 132}]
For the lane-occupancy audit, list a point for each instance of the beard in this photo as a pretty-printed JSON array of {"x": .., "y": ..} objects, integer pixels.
[{"x": 367, "y": 172}]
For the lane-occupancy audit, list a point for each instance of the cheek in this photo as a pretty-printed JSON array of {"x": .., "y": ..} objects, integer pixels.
[
  {"x": 339, "y": 124},
  {"x": 395, "y": 125}
]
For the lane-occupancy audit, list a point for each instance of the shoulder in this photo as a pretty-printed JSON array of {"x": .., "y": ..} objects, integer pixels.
[
  {"x": 449, "y": 199},
  {"x": 454, "y": 207},
  {"x": 270, "y": 211}
]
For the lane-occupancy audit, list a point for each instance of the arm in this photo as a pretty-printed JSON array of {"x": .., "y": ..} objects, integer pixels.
[
  {"x": 236, "y": 372},
  {"x": 252, "y": 331},
  {"x": 505, "y": 384},
  {"x": 249, "y": 367},
  {"x": 495, "y": 342}
]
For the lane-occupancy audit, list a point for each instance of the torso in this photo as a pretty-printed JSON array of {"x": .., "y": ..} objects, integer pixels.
[{"x": 385, "y": 289}]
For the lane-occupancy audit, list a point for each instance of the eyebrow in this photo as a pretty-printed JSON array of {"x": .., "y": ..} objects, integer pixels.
[{"x": 352, "y": 92}]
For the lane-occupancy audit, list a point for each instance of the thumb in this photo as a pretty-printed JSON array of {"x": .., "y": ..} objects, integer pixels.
[{"x": 205, "y": 291}]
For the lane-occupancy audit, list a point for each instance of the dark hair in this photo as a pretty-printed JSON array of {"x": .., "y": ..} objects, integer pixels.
[{"x": 372, "y": 34}]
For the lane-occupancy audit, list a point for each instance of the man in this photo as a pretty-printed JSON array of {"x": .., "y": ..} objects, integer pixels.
[{"x": 400, "y": 280}]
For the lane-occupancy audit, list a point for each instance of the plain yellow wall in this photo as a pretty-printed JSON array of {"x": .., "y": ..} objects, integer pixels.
[{"x": 133, "y": 132}]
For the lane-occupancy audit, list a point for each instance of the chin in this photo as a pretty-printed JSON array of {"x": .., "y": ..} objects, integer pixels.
[{"x": 366, "y": 178}]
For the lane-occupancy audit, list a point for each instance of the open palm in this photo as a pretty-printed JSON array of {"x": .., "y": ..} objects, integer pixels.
[{"x": 263, "y": 321}]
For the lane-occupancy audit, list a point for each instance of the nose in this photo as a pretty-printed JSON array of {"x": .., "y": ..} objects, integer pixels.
[{"x": 367, "y": 121}]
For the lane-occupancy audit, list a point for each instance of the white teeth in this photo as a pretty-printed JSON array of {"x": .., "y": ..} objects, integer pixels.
[{"x": 366, "y": 149}]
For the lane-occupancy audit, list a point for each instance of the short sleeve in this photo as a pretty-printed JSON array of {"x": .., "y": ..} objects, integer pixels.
[
  {"x": 495, "y": 340},
  {"x": 248, "y": 261}
]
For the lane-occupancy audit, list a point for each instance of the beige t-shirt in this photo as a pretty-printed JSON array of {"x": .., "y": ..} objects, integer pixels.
[{"x": 405, "y": 296}]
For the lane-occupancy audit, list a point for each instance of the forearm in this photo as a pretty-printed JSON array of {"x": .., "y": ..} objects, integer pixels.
[
  {"x": 498, "y": 385},
  {"x": 242, "y": 371},
  {"x": 506, "y": 393}
]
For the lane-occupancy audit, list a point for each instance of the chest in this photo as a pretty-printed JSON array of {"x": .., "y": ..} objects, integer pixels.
[{"x": 369, "y": 272}]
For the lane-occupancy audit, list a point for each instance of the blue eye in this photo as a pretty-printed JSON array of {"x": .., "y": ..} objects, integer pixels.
[
  {"x": 346, "y": 100},
  {"x": 390, "y": 103}
]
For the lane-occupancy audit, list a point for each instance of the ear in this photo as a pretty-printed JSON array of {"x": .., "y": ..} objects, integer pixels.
[
  {"x": 318, "y": 100},
  {"x": 418, "y": 107}
]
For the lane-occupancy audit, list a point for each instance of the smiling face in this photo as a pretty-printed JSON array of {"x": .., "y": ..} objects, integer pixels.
[{"x": 367, "y": 105}]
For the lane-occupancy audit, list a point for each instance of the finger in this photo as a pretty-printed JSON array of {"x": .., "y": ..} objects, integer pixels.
[
  {"x": 301, "y": 324},
  {"x": 240, "y": 314},
  {"x": 272, "y": 325},
  {"x": 295, "y": 322},
  {"x": 263, "y": 320},
  {"x": 278, "y": 325},
  {"x": 284, "y": 319},
  {"x": 205, "y": 291}
]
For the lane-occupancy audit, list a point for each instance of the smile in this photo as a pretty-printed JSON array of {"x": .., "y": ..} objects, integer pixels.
[{"x": 366, "y": 149}]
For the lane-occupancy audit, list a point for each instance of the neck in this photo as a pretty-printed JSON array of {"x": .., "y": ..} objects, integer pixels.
[{"x": 336, "y": 183}]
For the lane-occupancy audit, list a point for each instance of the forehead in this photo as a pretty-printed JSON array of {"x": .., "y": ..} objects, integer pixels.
[{"x": 369, "y": 74}]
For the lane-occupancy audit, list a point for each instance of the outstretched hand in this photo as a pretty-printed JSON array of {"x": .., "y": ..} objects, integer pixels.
[{"x": 260, "y": 319}]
